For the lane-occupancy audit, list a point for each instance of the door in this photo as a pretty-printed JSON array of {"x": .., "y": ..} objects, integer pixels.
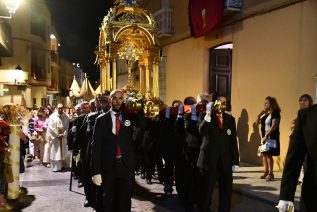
[{"x": 220, "y": 61}]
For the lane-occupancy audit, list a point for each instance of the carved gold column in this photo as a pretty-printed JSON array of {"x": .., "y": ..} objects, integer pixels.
[
  {"x": 114, "y": 74},
  {"x": 103, "y": 77},
  {"x": 147, "y": 78},
  {"x": 141, "y": 69},
  {"x": 108, "y": 74},
  {"x": 155, "y": 79},
  {"x": 158, "y": 79}
]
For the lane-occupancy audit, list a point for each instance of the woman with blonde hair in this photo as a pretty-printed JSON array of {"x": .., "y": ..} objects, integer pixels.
[{"x": 270, "y": 122}]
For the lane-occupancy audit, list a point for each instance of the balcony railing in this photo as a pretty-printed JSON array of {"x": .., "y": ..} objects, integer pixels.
[{"x": 163, "y": 19}]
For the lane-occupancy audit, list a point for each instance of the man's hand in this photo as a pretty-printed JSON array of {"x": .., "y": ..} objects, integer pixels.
[
  {"x": 96, "y": 179},
  {"x": 235, "y": 168},
  {"x": 263, "y": 140},
  {"x": 180, "y": 111},
  {"x": 285, "y": 206}
]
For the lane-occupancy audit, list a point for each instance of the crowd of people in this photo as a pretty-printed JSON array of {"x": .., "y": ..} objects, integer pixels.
[{"x": 191, "y": 144}]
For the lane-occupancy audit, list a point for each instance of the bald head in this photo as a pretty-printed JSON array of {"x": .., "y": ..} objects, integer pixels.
[{"x": 116, "y": 100}]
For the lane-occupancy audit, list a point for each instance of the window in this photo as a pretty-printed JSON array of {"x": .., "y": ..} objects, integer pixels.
[
  {"x": 38, "y": 25},
  {"x": 38, "y": 65}
]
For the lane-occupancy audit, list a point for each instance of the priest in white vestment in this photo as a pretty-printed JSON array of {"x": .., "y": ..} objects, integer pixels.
[{"x": 57, "y": 135}]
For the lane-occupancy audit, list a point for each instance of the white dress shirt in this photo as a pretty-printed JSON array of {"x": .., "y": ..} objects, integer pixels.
[{"x": 113, "y": 117}]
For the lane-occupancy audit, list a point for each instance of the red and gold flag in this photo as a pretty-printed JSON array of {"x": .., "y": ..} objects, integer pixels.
[{"x": 204, "y": 15}]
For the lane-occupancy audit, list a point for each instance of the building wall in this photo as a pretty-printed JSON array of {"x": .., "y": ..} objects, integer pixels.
[
  {"x": 273, "y": 54},
  {"x": 24, "y": 42},
  {"x": 66, "y": 76},
  {"x": 38, "y": 92}
]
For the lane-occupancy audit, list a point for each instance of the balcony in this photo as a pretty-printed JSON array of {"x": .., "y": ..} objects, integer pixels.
[{"x": 163, "y": 19}]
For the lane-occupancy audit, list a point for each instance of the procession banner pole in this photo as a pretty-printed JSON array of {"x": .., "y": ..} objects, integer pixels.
[{"x": 14, "y": 142}]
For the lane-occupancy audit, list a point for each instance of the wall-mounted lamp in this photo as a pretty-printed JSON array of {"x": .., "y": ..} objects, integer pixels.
[{"x": 12, "y": 6}]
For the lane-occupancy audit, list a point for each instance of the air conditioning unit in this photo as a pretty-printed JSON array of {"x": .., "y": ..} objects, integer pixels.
[{"x": 233, "y": 5}]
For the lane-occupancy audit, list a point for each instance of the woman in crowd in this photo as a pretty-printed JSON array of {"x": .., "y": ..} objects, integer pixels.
[
  {"x": 40, "y": 126},
  {"x": 270, "y": 121}
]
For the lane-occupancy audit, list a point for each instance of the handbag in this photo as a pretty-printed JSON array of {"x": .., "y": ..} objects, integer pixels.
[
  {"x": 271, "y": 142},
  {"x": 265, "y": 147},
  {"x": 8, "y": 174}
]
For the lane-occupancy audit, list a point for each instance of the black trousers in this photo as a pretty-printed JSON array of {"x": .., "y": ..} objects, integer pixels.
[
  {"x": 89, "y": 188},
  {"x": 118, "y": 188},
  {"x": 210, "y": 179}
]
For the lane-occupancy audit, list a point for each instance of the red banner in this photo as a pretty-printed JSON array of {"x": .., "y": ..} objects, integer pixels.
[{"x": 204, "y": 15}]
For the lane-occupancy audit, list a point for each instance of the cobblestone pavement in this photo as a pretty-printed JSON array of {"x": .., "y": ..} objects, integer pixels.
[{"x": 47, "y": 191}]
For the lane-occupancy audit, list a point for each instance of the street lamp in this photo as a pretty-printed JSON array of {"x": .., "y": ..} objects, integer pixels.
[{"x": 12, "y": 6}]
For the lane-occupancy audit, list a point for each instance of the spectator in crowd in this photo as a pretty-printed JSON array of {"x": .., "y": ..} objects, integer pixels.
[
  {"x": 40, "y": 126},
  {"x": 270, "y": 123}
]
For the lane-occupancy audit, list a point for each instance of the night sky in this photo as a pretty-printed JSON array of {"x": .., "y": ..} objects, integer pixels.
[{"x": 77, "y": 23}]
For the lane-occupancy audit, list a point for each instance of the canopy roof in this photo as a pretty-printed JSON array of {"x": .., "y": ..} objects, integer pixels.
[
  {"x": 87, "y": 92},
  {"x": 74, "y": 88}
]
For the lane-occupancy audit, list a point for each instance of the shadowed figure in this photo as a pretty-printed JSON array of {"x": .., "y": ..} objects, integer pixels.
[
  {"x": 254, "y": 142},
  {"x": 248, "y": 148}
]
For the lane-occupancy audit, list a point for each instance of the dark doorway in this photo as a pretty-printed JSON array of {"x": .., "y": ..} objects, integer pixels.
[{"x": 220, "y": 69}]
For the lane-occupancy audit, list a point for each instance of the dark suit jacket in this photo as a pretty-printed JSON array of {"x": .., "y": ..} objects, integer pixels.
[
  {"x": 104, "y": 143},
  {"x": 222, "y": 143},
  {"x": 79, "y": 139},
  {"x": 303, "y": 142}
]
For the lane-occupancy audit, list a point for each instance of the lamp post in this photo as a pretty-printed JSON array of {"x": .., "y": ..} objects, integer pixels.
[{"x": 12, "y": 6}]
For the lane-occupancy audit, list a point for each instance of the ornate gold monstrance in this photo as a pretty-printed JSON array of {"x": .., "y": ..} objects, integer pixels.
[{"x": 128, "y": 53}]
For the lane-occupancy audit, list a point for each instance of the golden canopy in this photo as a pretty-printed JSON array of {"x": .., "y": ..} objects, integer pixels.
[{"x": 128, "y": 51}]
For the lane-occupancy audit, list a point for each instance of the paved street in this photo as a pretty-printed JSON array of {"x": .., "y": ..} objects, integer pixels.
[{"x": 49, "y": 192}]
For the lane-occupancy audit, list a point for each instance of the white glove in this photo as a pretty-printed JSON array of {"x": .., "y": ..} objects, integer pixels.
[
  {"x": 235, "y": 168},
  {"x": 168, "y": 112},
  {"x": 127, "y": 102},
  {"x": 209, "y": 107},
  {"x": 285, "y": 206},
  {"x": 207, "y": 117},
  {"x": 180, "y": 111},
  {"x": 96, "y": 179},
  {"x": 194, "y": 112},
  {"x": 73, "y": 129}
]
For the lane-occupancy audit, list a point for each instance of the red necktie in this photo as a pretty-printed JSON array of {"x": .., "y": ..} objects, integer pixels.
[
  {"x": 118, "y": 153},
  {"x": 219, "y": 120}
]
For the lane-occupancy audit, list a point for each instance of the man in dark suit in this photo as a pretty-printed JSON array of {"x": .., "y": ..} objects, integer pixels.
[
  {"x": 221, "y": 157},
  {"x": 113, "y": 158},
  {"x": 102, "y": 106},
  {"x": 303, "y": 142}
]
